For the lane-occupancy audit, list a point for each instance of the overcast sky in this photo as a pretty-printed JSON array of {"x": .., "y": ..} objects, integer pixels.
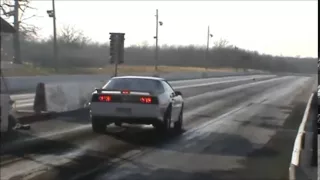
[{"x": 289, "y": 28}]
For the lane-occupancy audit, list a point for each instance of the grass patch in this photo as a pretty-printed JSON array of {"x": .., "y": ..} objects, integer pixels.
[{"x": 29, "y": 70}]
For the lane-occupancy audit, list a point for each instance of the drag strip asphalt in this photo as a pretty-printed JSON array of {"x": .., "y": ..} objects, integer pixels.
[
  {"x": 251, "y": 142},
  {"x": 69, "y": 123},
  {"x": 224, "y": 128}
]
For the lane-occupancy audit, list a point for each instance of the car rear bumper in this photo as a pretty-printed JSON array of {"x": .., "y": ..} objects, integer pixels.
[
  {"x": 129, "y": 120},
  {"x": 137, "y": 111}
]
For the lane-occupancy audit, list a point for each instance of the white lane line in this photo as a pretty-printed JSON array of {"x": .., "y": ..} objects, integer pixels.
[
  {"x": 23, "y": 103},
  {"x": 22, "y": 96},
  {"x": 220, "y": 82},
  {"x": 234, "y": 89},
  {"x": 214, "y": 79}
]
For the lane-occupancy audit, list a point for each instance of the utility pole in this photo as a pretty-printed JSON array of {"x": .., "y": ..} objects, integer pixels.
[
  {"x": 157, "y": 38},
  {"x": 156, "y": 53},
  {"x": 55, "y": 46},
  {"x": 16, "y": 35},
  {"x": 208, "y": 42},
  {"x": 52, "y": 14}
]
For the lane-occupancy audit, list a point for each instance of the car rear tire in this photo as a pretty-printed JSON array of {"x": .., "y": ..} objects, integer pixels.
[
  {"x": 179, "y": 124},
  {"x": 165, "y": 126},
  {"x": 98, "y": 126}
]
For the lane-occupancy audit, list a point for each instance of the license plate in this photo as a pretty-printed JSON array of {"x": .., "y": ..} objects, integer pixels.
[{"x": 124, "y": 110}]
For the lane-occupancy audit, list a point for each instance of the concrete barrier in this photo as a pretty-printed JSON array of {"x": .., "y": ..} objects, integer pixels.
[
  {"x": 39, "y": 104},
  {"x": 296, "y": 169},
  {"x": 29, "y": 83},
  {"x": 64, "y": 97}
]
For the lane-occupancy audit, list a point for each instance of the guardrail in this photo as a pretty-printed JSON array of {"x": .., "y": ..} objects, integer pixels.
[{"x": 295, "y": 171}]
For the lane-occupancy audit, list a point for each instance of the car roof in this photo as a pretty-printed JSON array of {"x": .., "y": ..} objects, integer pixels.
[{"x": 139, "y": 77}]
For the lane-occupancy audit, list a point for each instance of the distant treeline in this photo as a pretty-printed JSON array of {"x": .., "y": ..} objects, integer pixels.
[{"x": 79, "y": 51}]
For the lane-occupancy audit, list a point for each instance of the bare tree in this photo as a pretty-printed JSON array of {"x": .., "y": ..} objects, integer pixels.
[
  {"x": 7, "y": 9},
  {"x": 17, "y": 9},
  {"x": 221, "y": 43},
  {"x": 72, "y": 36},
  {"x": 144, "y": 44}
]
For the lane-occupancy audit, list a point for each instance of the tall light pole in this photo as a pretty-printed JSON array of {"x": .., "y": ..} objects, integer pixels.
[
  {"x": 157, "y": 37},
  {"x": 208, "y": 42},
  {"x": 52, "y": 14}
]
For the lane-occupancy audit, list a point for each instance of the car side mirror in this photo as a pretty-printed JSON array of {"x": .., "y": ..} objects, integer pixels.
[{"x": 178, "y": 93}]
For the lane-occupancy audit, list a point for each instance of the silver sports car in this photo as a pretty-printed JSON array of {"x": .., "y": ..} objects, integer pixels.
[{"x": 136, "y": 100}]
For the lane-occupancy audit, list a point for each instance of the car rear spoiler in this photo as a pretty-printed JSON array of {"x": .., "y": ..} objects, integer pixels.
[{"x": 99, "y": 90}]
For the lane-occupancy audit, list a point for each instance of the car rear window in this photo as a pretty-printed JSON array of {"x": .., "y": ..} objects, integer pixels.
[{"x": 135, "y": 84}]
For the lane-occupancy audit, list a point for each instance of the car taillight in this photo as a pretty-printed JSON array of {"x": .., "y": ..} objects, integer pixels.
[
  {"x": 146, "y": 100},
  {"x": 104, "y": 98}
]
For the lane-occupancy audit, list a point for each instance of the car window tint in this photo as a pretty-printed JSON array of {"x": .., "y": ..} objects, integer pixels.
[{"x": 135, "y": 84}]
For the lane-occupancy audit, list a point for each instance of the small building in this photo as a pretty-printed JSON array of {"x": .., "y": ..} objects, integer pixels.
[{"x": 6, "y": 27}]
